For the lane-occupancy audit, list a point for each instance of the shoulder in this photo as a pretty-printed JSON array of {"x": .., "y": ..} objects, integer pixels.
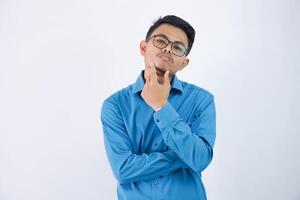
[
  {"x": 201, "y": 99},
  {"x": 197, "y": 91},
  {"x": 114, "y": 100}
]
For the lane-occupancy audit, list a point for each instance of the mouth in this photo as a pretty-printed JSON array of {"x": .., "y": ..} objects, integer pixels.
[{"x": 165, "y": 58}]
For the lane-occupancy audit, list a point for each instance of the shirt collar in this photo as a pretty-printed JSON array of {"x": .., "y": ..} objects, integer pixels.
[{"x": 139, "y": 84}]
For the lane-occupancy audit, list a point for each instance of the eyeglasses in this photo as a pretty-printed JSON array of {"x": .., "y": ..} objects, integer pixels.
[{"x": 162, "y": 42}]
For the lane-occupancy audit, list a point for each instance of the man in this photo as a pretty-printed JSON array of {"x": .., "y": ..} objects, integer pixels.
[{"x": 159, "y": 132}]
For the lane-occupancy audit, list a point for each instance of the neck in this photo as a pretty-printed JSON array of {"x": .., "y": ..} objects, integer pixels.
[{"x": 143, "y": 75}]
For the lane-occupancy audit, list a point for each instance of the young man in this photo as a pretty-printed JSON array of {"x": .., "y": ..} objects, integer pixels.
[{"x": 159, "y": 132}]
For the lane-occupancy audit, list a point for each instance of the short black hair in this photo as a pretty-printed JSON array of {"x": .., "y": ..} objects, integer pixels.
[{"x": 177, "y": 22}]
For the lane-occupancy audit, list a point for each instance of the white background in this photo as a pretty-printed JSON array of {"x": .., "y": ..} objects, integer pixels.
[{"x": 60, "y": 59}]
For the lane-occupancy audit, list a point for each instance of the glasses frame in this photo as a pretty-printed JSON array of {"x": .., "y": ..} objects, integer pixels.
[{"x": 154, "y": 36}]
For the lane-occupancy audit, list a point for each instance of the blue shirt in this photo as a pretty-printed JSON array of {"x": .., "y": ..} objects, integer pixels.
[{"x": 159, "y": 155}]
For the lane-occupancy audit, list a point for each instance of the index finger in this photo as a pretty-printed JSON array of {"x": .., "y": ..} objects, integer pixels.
[
  {"x": 153, "y": 75},
  {"x": 147, "y": 73}
]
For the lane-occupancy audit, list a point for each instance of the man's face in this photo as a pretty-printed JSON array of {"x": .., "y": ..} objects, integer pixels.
[{"x": 163, "y": 58}]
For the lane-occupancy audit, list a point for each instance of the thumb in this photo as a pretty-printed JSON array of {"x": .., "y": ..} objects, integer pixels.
[{"x": 166, "y": 77}]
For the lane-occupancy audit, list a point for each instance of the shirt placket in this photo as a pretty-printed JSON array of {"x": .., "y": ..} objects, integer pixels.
[{"x": 156, "y": 188}]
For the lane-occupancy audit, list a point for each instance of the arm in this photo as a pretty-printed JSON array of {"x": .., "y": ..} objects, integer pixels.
[
  {"x": 127, "y": 166},
  {"x": 193, "y": 144}
]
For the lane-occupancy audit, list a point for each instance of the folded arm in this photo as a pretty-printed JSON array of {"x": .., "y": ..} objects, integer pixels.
[
  {"x": 127, "y": 166},
  {"x": 192, "y": 143}
]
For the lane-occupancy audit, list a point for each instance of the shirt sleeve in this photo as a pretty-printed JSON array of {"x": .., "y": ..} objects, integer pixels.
[
  {"x": 193, "y": 143},
  {"x": 127, "y": 166}
]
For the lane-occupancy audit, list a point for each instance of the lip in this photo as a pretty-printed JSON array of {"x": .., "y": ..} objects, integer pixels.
[{"x": 166, "y": 57}]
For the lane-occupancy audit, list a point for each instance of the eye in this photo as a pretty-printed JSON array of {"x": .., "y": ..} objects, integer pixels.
[
  {"x": 161, "y": 41},
  {"x": 178, "y": 47}
]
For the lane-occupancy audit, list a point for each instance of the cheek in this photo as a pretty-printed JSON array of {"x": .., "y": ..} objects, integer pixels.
[
  {"x": 147, "y": 60},
  {"x": 149, "y": 57},
  {"x": 176, "y": 65},
  {"x": 178, "y": 62}
]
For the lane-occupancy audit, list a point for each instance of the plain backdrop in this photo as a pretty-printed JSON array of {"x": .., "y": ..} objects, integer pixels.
[{"x": 60, "y": 59}]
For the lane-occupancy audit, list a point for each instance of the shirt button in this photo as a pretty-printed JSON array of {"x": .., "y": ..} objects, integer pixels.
[
  {"x": 157, "y": 120},
  {"x": 155, "y": 144}
]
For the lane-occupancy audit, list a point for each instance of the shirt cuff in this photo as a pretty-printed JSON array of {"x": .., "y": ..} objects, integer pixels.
[{"x": 165, "y": 116}]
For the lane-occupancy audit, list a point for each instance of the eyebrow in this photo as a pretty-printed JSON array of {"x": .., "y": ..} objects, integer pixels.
[{"x": 162, "y": 35}]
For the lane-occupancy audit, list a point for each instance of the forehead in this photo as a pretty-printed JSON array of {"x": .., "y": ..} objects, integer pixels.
[{"x": 172, "y": 32}]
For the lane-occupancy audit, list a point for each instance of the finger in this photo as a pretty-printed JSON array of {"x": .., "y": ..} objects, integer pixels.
[
  {"x": 166, "y": 77},
  {"x": 147, "y": 74},
  {"x": 153, "y": 74}
]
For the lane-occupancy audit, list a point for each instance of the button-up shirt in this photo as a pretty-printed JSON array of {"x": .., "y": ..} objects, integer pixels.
[{"x": 159, "y": 155}]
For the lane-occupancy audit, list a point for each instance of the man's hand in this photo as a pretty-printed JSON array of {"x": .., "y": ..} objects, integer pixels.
[{"x": 155, "y": 94}]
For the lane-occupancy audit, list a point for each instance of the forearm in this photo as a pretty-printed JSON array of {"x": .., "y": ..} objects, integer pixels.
[
  {"x": 128, "y": 167},
  {"x": 193, "y": 144},
  {"x": 189, "y": 147}
]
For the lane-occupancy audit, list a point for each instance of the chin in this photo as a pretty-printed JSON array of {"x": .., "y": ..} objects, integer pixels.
[{"x": 162, "y": 65}]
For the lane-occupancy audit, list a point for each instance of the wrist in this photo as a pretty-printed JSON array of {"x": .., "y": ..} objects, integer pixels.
[{"x": 157, "y": 108}]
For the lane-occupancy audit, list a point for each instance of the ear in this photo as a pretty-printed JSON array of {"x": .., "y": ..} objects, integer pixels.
[
  {"x": 184, "y": 63},
  {"x": 143, "y": 46}
]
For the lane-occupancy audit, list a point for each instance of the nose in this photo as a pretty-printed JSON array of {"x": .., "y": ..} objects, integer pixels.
[{"x": 167, "y": 49}]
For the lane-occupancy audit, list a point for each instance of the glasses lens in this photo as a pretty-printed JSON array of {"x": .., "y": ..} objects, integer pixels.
[
  {"x": 160, "y": 42},
  {"x": 178, "y": 49}
]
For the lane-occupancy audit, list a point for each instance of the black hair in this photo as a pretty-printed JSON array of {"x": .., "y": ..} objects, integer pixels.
[{"x": 177, "y": 22}]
